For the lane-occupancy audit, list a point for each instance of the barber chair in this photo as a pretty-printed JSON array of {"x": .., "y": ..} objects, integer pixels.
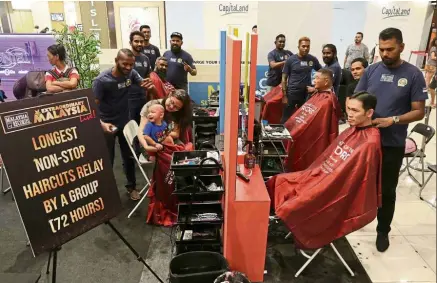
[
  {"x": 427, "y": 132},
  {"x": 432, "y": 169},
  {"x": 311, "y": 257}
]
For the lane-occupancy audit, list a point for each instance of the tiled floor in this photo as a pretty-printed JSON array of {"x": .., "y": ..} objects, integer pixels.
[{"x": 412, "y": 253}]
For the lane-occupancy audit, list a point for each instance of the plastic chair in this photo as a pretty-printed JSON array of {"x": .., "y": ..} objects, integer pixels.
[
  {"x": 130, "y": 132},
  {"x": 432, "y": 168},
  {"x": 427, "y": 132},
  {"x": 310, "y": 258}
]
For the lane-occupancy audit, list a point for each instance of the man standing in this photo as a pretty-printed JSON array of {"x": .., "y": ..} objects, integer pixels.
[
  {"x": 356, "y": 50},
  {"x": 329, "y": 53},
  {"x": 296, "y": 78},
  {"x": 180, "y": 63},
  {"x": 150, "y": 50},
  {"x": 358, "y": 66},
  {"x": 255, "y": 29},
  {"x": 163, "y": 87},
  {"x": 111, "y": 91},
  {"x": 276, "y": 59},
  {"x": 401, "y": 92},
  {"x": 137, "y": 94}
]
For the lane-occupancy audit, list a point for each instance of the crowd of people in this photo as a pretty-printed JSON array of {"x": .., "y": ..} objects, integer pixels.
[{"x": 153, "y": 90}]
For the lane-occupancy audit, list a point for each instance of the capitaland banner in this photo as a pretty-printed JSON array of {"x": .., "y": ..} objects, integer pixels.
[{"x": 394, "y": 11}]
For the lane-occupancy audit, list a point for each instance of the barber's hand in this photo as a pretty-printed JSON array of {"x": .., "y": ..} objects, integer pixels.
[
  {"x": 107, "y": 127},
  {"x": 187, "y": 68},
  {"x": 147, "y": 84},
  {"x": 159, "y": 146},
  {"x": 284, "y": 99},
  {"x": 310, "y": 89},
  {"x": 383, "y": 122}
]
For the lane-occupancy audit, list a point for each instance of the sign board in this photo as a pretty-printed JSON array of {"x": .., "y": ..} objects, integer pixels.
[
  {"x": 57, "y": 163},
  {"x": 21, "y": 53}
]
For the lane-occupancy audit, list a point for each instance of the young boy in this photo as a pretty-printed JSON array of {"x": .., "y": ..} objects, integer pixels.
[{"x": 156, "y": 132}]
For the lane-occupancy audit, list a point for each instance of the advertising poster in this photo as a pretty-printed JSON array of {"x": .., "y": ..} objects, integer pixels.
[
  {"x": 57, "y": 163},
  {"x": 131, "y": 18},
  {"x": 21, "y": 53}
]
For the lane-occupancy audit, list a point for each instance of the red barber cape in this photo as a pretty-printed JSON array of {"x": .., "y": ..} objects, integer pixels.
[
  {"x": 338, "y": 194},
  {"x": 313, "y": 127},
  {"x": 272, "y": 111}
]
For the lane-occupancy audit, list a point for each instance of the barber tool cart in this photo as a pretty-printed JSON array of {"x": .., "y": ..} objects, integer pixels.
[
  {"x": 272, "y": 149},
  {"x": 199, "y": 188},
  {"x": 205, "y": 122}
]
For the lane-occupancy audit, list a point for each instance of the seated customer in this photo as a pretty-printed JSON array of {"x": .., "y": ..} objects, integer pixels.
[
  {"x": 314, "y": 125},
  {"x": 62, "y": 77},
  {"x": 162, "y": 208},
  {"x": 155, "y": 131},
  {"x": 158, "y": 77},
  {"x": 341, "y": 191}
]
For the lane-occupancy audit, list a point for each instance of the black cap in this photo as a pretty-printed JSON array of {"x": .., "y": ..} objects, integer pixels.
[{"x": 177, "y": 34}]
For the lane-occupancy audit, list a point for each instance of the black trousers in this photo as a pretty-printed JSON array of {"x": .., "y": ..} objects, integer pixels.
[
  {"x": 391, "y": 165},
  {"x": 290, "y": 108},
  {"x": 135, "y": 106},
  {"x": 126, "y": 155}
]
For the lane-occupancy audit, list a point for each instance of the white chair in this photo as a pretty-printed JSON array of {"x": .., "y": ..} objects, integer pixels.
[
  {"x": 130, "y": 132},
  {"x": 310, "y": 258}
]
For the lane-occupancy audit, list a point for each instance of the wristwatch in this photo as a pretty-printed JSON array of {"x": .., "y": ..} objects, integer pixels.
[{"x": 395, "y": 119}]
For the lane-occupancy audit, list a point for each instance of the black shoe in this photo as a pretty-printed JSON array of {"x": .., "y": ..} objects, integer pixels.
[{"x": 382, "y": 242}]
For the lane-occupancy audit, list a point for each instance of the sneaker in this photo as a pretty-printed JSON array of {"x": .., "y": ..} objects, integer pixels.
[{"x": 382, "y": 242}]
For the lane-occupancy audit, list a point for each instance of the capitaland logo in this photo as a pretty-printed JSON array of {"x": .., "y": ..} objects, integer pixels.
[
  {"x": 233, "y": 9},
  {"x": 61, "y": 111},
  {"x": 394, "y": 11}
]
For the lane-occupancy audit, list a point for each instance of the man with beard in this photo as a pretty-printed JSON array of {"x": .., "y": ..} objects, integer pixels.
[
  {"x": 358, "y": 66},
  {"x": 401, "y": 92},
  {"x": 341, "y": 191},
  {"x": 329, "y": 53},
  {"x": 150, "y": 50},
  {"x": 163, "y": 87},
  {"x": 276, "y": 59},
  {"x": 180, "y": 63},
  {"x": 314, "y": 125},
  {"x": 111, "y": 88},
  {"x": 356, "y": 50},
  {"x": 296, "y": 78},
  {"x": 137, "y": 94}
]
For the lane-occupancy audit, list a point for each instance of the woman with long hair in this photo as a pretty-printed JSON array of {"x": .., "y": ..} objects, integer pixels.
[
  {"x": 61, "y": 77},
  {"x": 178, "y": 112},
  {"x": 430, "y": 69}
]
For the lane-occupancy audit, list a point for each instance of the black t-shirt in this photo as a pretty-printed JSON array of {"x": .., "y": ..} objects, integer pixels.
[
  {"x": 274, "y": 76},
  {"x": 142, "y": 66},
  {"x": 112, "y": 93},
  {"x": 351, "y": 88},
  {"x": 152, "y": 52}
]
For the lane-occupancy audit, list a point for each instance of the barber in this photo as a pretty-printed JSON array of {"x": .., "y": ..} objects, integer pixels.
[
  {"x": 329, "y": 53},
  {"x": 111, "y": 89},
  {"x": 401, "y": 92},
  {"x": 137, "y": 94},
  {"x": 180, "y": 63},
  {"x": 276, "y": 59},
  {"x": 296, "y": 78}
]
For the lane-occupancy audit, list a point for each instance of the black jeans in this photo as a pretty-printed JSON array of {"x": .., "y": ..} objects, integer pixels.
[
  {"x": 290, "y": 108},
  {"x": 135, "y": 106},
  {"x": 391, "y": 165},
  {"x": 126, "y": 155}
]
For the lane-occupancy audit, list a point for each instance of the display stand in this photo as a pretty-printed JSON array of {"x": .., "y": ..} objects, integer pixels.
[{"x": 246, "y": 204}]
